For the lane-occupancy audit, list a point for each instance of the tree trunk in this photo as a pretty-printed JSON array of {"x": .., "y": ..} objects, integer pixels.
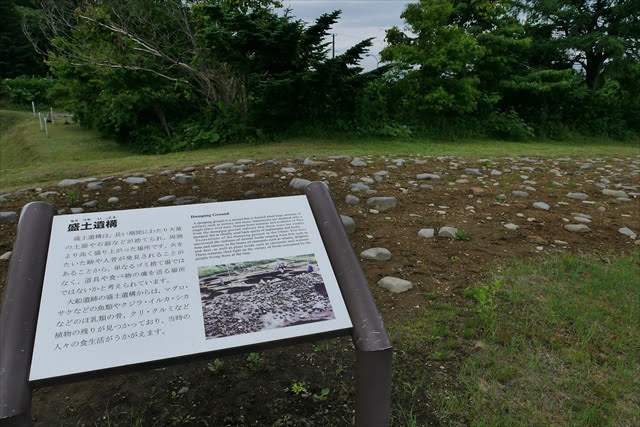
[
  {"x": 163, "y": 121},
  {"x": 594, "y": 69}
]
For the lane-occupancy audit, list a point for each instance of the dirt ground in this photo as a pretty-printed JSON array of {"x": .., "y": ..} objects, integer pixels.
[{"x": 265, "y": 389}]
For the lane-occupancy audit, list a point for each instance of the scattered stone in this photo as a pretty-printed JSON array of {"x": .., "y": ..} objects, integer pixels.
[
  {"x": 167, "y": 199},
  {"x": 70, "y": 182},
  {"x": 541, "y": 205},
  {"x": 449, "y": 232},
  {"x": 189, "y": 169},
  {"x": 358, "y": 163},
  {"x": 627, "y": 232},
  {"x": 395, "y": 285},
  {"x": 614, "y": 193},
  {"x": 582, "y": 219},
  {"x": 94, "y": 186},
  {"x": 185, "y": 200},
  {"x": 116, "y": 188},
  {"x": 7, "y": 217},
  {"x": 377, "y": 254},
  {"x": 519, "y": 194},
  {"x": 184, "y": 179},
  {"x": 382, "y": 204},
  {"x": 77, "y": 210},
  {"x": 495, "y": 172},
  {"x": 427, "y": 233},
  {"x": 5, "y": 256},
  {"x": 536, "y": 240},
  {"x": 359, "y": 186},
  {"x": 328, "y": 174},
  {"x": 113, "y": 200},
  {"x": 477, "y": 191},
  {"x": 251, "y": 194},
  {"x": 424, "y": 176},
  {"x": 288, "y": 170},
  {"x": 426, "y": 186},
  {"x": 90, "y": 204},
  {"x": 510, "y": 226},
  {"x": 473, "y": 171},
  {"x": 577, "y": 228},
  {"x": 578, "y": 196},
  {"x": 299, "y": 183},
  {"x": 351, "y": 200},
  {"x": 135, "y": 180},
  {"x": 348, "y": 223},
  {"x": 167, "y": 172},
  {"x": 560, "y": 242},
  {"x": 309, "y": 162},
  {"x": 48, "y": 194},
  {"x": 223, "y": 167}
]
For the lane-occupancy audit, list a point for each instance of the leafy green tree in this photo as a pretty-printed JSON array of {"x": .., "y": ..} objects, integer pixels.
[{"x": 589, "y": 34}]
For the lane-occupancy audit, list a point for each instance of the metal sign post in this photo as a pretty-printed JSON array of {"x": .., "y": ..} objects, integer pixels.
[{"x": 20, "y": 308}]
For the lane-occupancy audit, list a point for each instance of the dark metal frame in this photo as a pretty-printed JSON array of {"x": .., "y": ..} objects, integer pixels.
[{"x": 21, "y": 302}]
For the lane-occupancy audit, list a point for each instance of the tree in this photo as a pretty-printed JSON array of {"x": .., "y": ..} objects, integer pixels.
[
  {"x": 590, "y": 34},
  {"x": 17, "y": 55}
]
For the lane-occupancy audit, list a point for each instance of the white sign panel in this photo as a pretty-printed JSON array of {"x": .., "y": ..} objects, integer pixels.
[{"x": 132, "y": 286}]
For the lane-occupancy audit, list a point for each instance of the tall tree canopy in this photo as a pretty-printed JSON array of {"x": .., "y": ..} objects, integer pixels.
[{"x": 589, "y": 33}]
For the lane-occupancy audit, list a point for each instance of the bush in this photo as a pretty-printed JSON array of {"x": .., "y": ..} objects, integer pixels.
[{"x": 20, "y": 91}]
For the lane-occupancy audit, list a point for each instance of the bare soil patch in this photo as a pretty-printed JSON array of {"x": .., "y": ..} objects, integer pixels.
[{"x": 258, "y": 390}]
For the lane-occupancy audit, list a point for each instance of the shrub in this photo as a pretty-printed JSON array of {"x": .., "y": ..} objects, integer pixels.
[{"x": 20, "y": 91}]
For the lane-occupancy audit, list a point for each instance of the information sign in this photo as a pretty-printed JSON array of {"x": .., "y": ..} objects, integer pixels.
[{"x": 133, "y": 286}]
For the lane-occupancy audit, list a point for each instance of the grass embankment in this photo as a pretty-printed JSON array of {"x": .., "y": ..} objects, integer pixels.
[
  {"x": 558, "y": 343},
  {"x": 28, "y": 158}
]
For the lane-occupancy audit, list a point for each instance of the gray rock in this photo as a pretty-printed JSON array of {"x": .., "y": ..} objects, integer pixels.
[
  {"x": 185, "y": 200},
  {"x": 519, "y": 194},
  {"x": 541, "y": 205},
  {"x": 207, "y": 200},
  {"x": 578, "y": 196},
  {"x": 309, "y": 162},
  {"x": 423, "y": 176},
  {"x": 426, "y": 186},
  {"x": 135, "y": 180},
  {"x": 614, "y": 193},
  {"x": 223, "y": 167},
  {"x": 582, "y": 219},
  {"x": 560, "y": 242},
  {"x": 113, "y": 200},
  {"x": 395, "y": 285},
  {"x": 359, "y": 186},
  {"x": 90, "y": 204},
  {"x": 7, "y": 217},
  {"x": 251, "y": 194},
  {"x": 167, "y": 199},
  {"x": 299, "y": 183},
  {"x": 167, "y": 172},
  {"x": 495, "y": 172},
  {"x": 351, "y": 200},
  {"x": 382, "y": 204},
  {"x": 512, "y": 227},
  {"x": 449, "y": 232},
  {"x": 189, "y": 169},
  {"x": 627, "y": 232},
  {"x": 116, "y": 188},
  {"x": 244, "y": 161},
  {"x": 68, "y": 182},
  {"x": 348, "y": 223},
  {"x": 427, "y": 233},
  {"x": 473, "y": 171},
  {"x": 94, "y": 186},
  {"x": 358, "y": 163},
  {"x": 48, "y": 194},
  {"x": 288, "y": 170},
  {"x": 5, "y": 256},
  {"x": 77, "y": 210},
  {"x": 184, "y": 179},
  {"x": 577, "y": 228},
  {"x": 377, "y": 254}
]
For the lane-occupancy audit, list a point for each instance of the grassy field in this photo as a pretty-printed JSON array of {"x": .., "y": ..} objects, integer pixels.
[{"x": 28, "y": 158}]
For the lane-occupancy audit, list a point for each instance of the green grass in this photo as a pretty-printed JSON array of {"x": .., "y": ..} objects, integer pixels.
[
  {"x": 28, "y": 158},
  {"x": 561, "y": 345}
]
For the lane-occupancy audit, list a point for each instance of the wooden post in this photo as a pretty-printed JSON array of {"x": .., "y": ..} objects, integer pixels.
[
  {"x": 52, "y": 122},
  {"x": 33, "y": 107},
  {"x": 46, "y": 129},
  {"x": 40, "y": 118}
]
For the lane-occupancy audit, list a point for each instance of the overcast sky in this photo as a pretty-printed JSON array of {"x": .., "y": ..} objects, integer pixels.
[{"x": 360, "y": 19}]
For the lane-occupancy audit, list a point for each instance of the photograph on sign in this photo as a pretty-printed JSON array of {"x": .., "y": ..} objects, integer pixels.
[
  {"x": 133, "y": 286},
  {"x": 272, "y": 293}
]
